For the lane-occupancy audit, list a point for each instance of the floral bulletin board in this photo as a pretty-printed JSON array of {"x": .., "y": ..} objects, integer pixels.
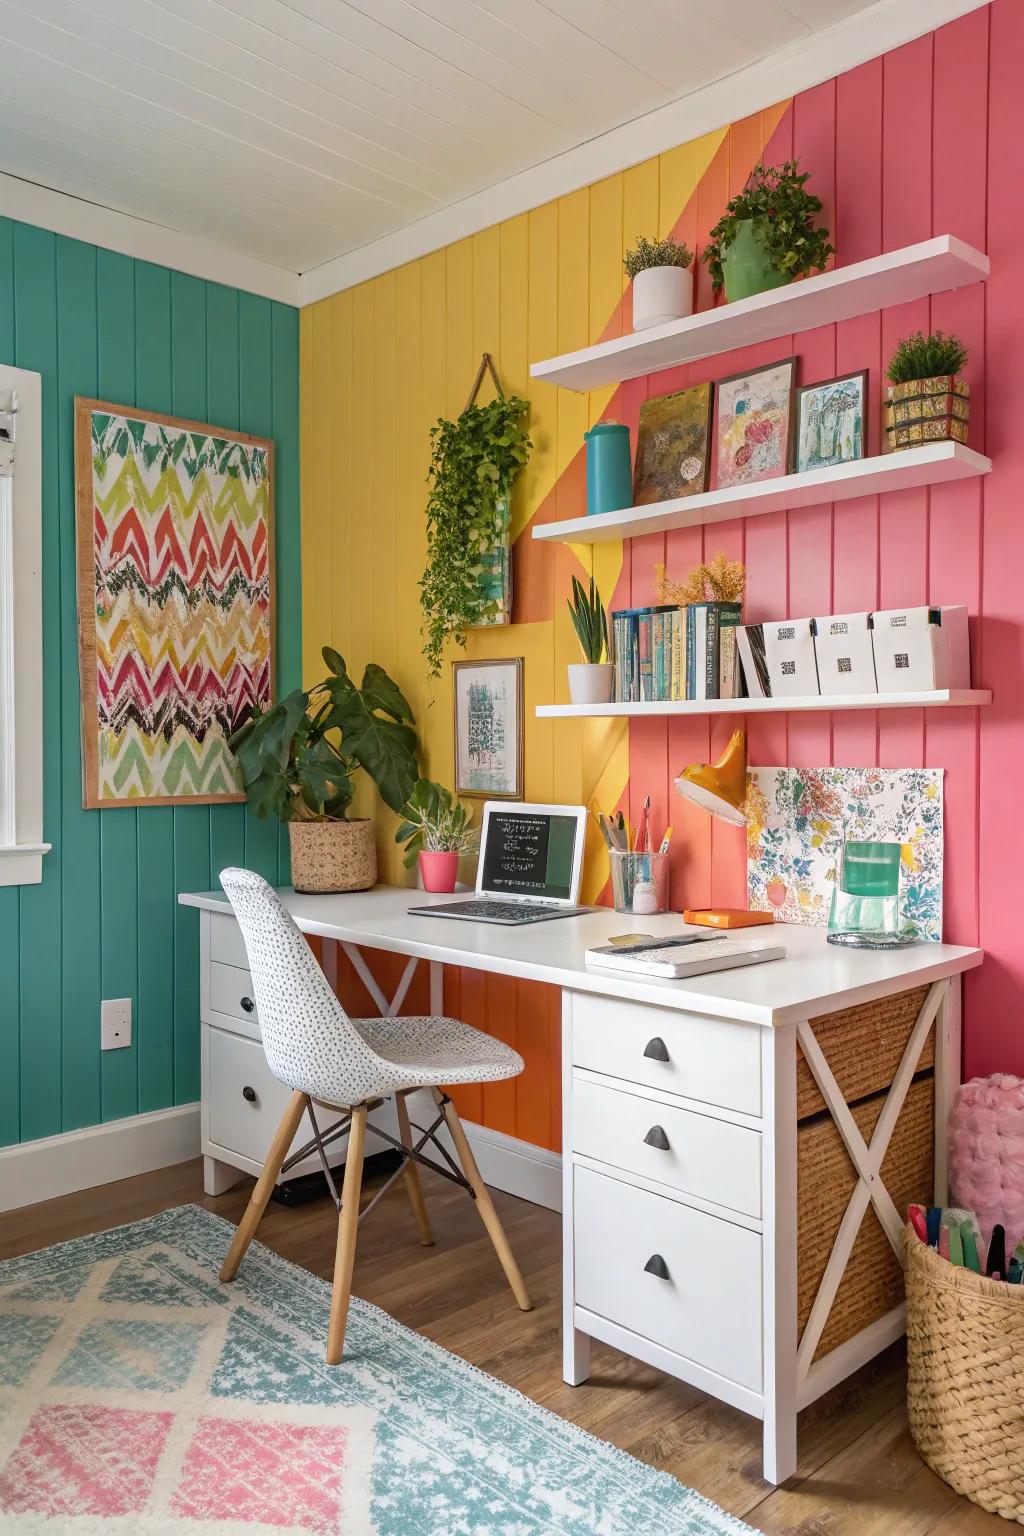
[{"x": 799, "y": 818}]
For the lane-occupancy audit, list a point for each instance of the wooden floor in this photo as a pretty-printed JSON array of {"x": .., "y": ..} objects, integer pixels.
[{"x": 858, "y": 1471}]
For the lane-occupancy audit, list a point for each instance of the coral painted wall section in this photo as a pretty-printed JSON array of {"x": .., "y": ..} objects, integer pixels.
[
  {"x": 919, "y": 141},
  {"x": 104, "y": 922}
]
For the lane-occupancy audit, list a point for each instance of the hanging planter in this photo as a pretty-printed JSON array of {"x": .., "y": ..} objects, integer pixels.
[
  {"x": 767, "y": 235},
  {"x": 926, "y": 401},
  {"x": 474, "y": 464}
]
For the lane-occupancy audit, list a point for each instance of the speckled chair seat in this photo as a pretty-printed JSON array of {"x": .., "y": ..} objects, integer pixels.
[{"x": 326, "y": 1057}]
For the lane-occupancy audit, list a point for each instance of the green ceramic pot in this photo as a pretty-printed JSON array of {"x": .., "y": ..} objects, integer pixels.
[{"x": 746, "y": 265}]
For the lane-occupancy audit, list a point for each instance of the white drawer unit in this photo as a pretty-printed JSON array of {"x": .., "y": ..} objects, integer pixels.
[
  {"x": 688, "y": 1282},
  {"x": 246, "y": 1100},
  {"x": 231, "y": 994},
  {"x": 714, "y": 1061},
  {"x": 712, "y": 1159},
  {"x": 226, "y": 943}
]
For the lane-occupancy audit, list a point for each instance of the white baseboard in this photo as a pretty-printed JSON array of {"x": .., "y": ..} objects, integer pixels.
[
  {"x": 99, "y": 1154},
  {"x": 532, "y": 1173}
]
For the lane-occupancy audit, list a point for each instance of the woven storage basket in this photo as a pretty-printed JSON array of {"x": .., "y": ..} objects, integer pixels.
[{"x": 965, "y": 1381}]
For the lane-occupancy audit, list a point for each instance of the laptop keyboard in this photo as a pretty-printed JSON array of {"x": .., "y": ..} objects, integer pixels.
[{"x": 497, "y": 911}]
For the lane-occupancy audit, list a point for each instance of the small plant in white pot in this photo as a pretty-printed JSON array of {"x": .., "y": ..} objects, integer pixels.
[
  {"x": 590, "y": 680},
  {"x": 660, "y": 271},
  {"x": 436, "y": 831}
]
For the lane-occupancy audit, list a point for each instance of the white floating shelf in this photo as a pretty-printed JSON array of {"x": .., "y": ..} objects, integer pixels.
[
  {"x": 939, "y": 698},
  {"x": 897, "y": 277},
  {"x": 931, "y": 464}
]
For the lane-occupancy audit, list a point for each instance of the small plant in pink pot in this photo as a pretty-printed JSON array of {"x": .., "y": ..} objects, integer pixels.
[{"x": 436, "y": 830}]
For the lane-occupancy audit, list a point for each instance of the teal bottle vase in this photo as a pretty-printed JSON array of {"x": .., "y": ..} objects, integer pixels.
[{"x": 609, "y": 468}]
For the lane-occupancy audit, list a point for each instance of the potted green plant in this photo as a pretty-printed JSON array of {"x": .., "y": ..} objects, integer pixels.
[
  {"x": 926, "y": 401},
  {"x": 298, "y": 762},
  {"x": 662, "y": 279},
  {"x": 590, "y": 680},
  {"x": 767, "y": 235},
  {"x": 436, "y": 831},
  {"x": 473, "y": 467}
]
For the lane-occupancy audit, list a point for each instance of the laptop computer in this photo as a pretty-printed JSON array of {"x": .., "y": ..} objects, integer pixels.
[{"x": 531, "y": 860}]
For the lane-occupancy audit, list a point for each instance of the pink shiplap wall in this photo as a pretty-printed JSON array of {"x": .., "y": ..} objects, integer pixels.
[{"x": 925, "y": 140}]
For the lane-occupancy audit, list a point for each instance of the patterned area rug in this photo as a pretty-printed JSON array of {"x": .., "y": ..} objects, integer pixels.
[{"x": 139, "y": 1394}]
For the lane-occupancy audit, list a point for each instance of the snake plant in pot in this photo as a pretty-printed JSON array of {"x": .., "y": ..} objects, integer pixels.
[
  {"x": 299, "y": 760},
  {"x": 591, "y": 680},
  {"x": 436, "y": 831}
]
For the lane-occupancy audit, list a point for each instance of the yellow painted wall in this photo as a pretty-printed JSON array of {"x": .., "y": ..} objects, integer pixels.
[{"x": 379, "y": 364}]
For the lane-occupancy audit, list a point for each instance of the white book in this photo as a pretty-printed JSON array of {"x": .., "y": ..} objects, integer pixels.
[{"x": 686, "y": 956}]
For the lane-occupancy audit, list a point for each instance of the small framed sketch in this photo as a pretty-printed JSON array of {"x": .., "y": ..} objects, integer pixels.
[
  {"x": 672, "y": 444},
  {"x": 830, "y": 422},
  {"x": 489, "y": 728},
  {"x": 753, "y": 423}
]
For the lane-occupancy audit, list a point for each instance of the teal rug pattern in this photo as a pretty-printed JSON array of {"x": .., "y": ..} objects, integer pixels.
[{"x": 139, "y": 1394}]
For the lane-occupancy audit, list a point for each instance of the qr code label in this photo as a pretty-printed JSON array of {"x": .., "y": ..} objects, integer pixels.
[
  {"x": 902, "y": 660},
  {"x": 845, "y": 664},
  {"x": 788, "y": 668},
  {"x": 789, "y": 633}
]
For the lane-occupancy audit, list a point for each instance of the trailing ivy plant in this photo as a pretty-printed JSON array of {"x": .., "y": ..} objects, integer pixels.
[
  {"x": 782, "y": 212},
  {"x": 474, "y": 464},
  {"x": 926, "y": 357}
]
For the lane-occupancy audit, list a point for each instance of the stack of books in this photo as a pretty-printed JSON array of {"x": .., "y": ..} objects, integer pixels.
[{"x": 666, "y": 652}]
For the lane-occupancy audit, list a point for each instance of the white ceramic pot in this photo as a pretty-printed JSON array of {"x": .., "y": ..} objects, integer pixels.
[
  {"x": 591, "y": 682},
  {"x": 661, "y": 294}
]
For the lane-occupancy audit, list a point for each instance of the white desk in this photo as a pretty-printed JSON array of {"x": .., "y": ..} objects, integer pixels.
[{"x": 680, "y": 1247}]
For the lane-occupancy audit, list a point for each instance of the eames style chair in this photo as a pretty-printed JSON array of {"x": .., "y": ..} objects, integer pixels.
[{"x": 334, "y": 1062}]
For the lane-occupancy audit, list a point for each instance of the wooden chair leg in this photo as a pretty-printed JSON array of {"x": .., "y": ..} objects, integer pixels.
[
  {"x": 411, "y": 1175},
  {"x": 264, "y": 1184},
  {"x": 485, "y": 1205},
  {"x": 348, "y": 1226}
]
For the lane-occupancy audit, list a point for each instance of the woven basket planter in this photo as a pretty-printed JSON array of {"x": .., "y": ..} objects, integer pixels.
[
  {"x": 965, "y": 1384},
  {"x": 333, "y": 855},
  {"x": 927, "y": 411}
]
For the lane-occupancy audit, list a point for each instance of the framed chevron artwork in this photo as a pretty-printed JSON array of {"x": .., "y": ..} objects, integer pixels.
[{"x": 175, "y": 602}]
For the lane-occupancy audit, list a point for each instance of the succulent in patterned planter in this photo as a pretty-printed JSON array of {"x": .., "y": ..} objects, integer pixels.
[{"x": 926, "y": 400}]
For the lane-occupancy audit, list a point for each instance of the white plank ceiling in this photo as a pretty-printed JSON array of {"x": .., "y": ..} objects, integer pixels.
[{"x": 296, "y": 130}]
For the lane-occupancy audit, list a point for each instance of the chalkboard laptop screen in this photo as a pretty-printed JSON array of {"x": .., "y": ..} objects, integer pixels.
[{"x": 529, "y": 853}]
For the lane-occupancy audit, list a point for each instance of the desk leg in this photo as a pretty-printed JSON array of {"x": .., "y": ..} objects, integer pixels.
[
  {"x": 779, "y": 1261},
  {"x": 436, "y": 988},
  {"x": 218, "y": 1176},
  {"x": 575, "y": 1345}
]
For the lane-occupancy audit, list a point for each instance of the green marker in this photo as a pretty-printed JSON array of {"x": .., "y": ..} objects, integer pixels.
[
  {"x": 970, "y": 1247},
  {"x": 956, "y": 1244}
]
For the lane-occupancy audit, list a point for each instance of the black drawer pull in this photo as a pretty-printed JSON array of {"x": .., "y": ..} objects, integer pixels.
[
  {"x": 247, "y": 1005},
  {"x": 656, "y": 1049},
  {"x": 249, "y": 1094},
  {"x": 656, "y": 1138},
  {"x": 656, "y": 1266}
]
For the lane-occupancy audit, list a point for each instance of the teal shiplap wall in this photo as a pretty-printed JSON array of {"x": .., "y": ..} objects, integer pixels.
[{"x": 105, "y": 922}]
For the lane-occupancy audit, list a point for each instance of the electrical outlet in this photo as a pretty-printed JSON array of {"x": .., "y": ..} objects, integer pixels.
[{"x": 115, "y": 1023}]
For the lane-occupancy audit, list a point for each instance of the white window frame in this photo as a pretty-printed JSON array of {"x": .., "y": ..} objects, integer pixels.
[{"x": 21, "y": 629}]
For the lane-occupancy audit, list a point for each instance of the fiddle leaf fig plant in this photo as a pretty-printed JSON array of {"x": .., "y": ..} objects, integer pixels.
[
  {"x": 434, "y": 821},
  {"x": 473, "y": 467},
  {"x": 782, "y": 212},
  {"x": 298, "y": 759}
]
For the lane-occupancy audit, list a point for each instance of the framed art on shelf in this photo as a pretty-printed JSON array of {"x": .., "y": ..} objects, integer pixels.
[
  {"x": 673, "y": 440},
  {"x": 174, "y": 523},
  {"x": 753, "y": 423},
  {"x": 488, "y": 705},
  {"x": 830, "y": 419}
]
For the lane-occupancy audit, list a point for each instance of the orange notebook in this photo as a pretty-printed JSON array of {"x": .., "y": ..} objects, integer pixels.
[{"x": 726, "y": 917}]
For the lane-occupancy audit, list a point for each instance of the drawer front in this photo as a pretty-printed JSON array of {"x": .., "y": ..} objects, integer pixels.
[
  {"x": 711, "y": 1060},
  {"x": 231, "y": 994},
  {"x": 706, "y": 1306},
  {"x": 226, "y": 942},
  {"x": 694, "y": 1153},
  {"x": 237, "y": 1122}
]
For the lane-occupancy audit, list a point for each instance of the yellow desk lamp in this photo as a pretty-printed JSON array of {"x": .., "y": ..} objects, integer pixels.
[{"x": 721, "y": 788}]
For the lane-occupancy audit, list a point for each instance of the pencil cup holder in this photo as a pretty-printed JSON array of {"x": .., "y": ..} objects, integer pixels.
[{"x": 639, "y": 882}]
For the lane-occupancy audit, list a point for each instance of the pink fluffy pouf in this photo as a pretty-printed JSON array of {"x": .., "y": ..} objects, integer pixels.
[{"x": 986, "y": 1153}]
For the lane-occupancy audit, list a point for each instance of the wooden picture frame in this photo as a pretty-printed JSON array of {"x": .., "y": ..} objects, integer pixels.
[
  {"x": 212, "y": 454},
  {"x": 506, "y": 776},
  {"x": 800, "y": 395},
  {"x": 737, "y": 473}
]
